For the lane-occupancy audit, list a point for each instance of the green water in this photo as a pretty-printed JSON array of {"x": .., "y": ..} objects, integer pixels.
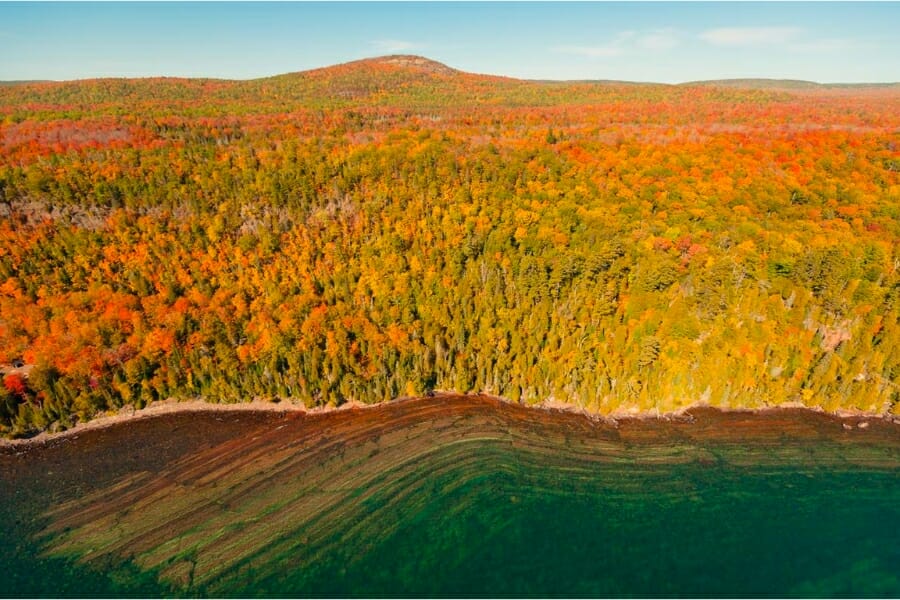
[
  {"x": 677, "y": 532},
  {"x": 510, "y": 528}
]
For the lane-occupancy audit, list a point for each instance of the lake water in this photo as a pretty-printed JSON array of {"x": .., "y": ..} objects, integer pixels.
[{"x": 456, "y": 497}]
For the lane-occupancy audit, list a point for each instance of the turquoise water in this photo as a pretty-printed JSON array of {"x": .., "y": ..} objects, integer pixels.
[{"x": 513, "y": 523}]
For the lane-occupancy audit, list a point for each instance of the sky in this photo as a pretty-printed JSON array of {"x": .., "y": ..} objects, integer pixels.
[{"x": 667, "y": 42}]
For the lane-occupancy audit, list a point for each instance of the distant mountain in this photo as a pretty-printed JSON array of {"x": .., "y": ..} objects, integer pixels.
[
  {"x": 23, "y": 81},
  {"x": 783, "y": 84}
]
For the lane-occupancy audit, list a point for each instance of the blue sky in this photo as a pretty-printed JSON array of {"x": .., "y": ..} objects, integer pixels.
[{"x": 666, "y": 42}]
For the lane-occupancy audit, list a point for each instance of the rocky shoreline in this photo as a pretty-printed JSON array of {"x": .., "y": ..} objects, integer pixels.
[{"x": 850, "y": 419}]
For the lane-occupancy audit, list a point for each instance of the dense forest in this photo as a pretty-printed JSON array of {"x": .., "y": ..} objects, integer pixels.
[{"x": 393, "y": 226}]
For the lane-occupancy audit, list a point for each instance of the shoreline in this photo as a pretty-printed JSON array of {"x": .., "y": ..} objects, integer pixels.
[{"x": 173, "y": 406}]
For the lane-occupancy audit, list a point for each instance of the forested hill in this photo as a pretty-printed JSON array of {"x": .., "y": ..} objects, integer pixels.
[
  {"x": 391, "y": 226},
  {"x": 390, "y": 81}
]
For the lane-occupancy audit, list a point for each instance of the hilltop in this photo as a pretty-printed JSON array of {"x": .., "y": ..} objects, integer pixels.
[{"x": 407, "y": 62}]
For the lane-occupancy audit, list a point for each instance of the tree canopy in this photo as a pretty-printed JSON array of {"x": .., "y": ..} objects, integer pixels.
[{"x": 374, "y": 230}]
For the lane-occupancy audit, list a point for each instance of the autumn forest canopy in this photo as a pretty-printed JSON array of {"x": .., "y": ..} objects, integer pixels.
[{"x": 393, "y": 226}]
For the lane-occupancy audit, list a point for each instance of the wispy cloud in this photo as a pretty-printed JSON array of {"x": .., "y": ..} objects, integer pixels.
[
  {"x": 591, "y": 51},
  {"x": 750, "y": 36},
  {"x": 823, "y": 45},
  {"x": 392, "y": 46},
  {"x": 625, "y": 42},
  {"x": 658, "y": 39}
]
